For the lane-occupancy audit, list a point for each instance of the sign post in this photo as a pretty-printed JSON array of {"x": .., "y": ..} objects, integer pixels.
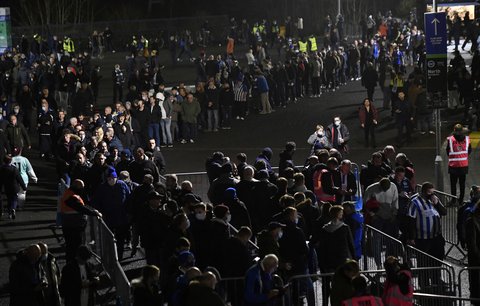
[
  {"x": 436, "y": 66},
  {"x": 5, "y": 30}
]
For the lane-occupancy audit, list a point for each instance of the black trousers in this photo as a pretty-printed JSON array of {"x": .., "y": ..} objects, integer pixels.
[
  {"x": 73, "y": 239},
  {"x": 460, "y": 178},
  {"x": 369, "y": 130}
]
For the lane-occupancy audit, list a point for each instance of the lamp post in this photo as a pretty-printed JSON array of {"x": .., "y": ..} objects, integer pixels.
[{"x": 338, "y": 3}]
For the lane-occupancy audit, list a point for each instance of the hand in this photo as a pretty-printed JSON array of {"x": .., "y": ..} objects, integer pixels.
[
  {"x": 411, "y": 118},
  {"x": 434, "y": 199},
  {"x": 398, "y": 111},
  {"x": 273, "y": 293},
  {"x": 363, "y": 125},
  {"x": 340, "y": 140}
]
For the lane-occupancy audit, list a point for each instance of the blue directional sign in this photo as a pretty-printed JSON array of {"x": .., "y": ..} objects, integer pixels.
[
  {"x": 436, "y": 58},
  {"x": 436, "y": 33}
]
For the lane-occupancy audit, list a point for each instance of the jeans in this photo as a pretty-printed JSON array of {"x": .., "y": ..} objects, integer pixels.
[
  {"x": 212, "y": 119},
  {"x": 165, "y": 125},
  {"x": 153, "y": 132},
  {"x": 266, "y": 108},
  {"x": 425, "y": 122},
  {"x": 226, "y": 116}
]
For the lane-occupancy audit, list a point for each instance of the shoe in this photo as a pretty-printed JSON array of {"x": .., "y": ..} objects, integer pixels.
[
  {"x": 170, "y": 145},
  {"x": 227, "y": 128},
  {"x": 163, "y": 145},
  {"x": 241, "y": 118},
  {"x": 191, "y": 141},
  {"x": 431, "y": 132},
  {"x": 262, "y": 113},
  {"x": 183, "y": 141}
]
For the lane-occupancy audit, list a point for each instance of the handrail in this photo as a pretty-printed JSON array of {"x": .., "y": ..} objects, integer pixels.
[
  {"x": 441, "y": 192},
  {"x": 430, "y": 256},
  {"x": 249, "y": 241},
  {"x": 446, "y": 297}
]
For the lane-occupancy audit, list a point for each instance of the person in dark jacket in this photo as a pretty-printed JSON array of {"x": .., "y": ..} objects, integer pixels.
[
  {"x": 141, "y": 166},
  {"x": 338, "y": 135},
  {"x": 294, "y": 254},
  {"x": 77, "y": 285},
  {"x": 334, "y": 246},
  {"x": 142, "y": 116},
  {"x": 155, "y": 115},
  {"x": 262, "y": 193},
  {"x": 374, "y": 170},
  {"x": 226, "y": 180},
  {"x": 153, "y": 229},
  {"x": 25, "y": 279},
  {"x": 17, "y": 134},
  {"x": 342, "y": 287},
  {"x": 369, "y": 80},
  {"x": 403, "y": 118},
  {"x": 124, "y": 132},
  {"x": 45, "y": 130},
  {"x": 240, "y": 215},
  {"x": 213, "y": 166},
  {"x": 51, "y": 273},
  {"x": 267, "y": 239},
  {"x": 111, "y": 200},
  {"x": 368, "y": 120},
  {"x": 145, "y": 288},
  {"x": 83, "y": 100},
  {"x": 286, "y": 158},
  {"x": 236, "y": 251},
  {"x": 219, "y": 233},
  {"x": 201, "y": 292},
  {"x": 158, "y": 158},
  {"x": 226, "y": 100},
  {"x": 259, "y": 283},
  {"x": 11, "y": 182},
  {"x": 473, "y": 247},
  {"x": 212, "y": 96},
  {"x": 97, "y": 174}
]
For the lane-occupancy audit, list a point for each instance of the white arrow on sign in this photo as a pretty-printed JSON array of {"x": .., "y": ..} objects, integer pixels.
[{"x": 435, "y": 22}]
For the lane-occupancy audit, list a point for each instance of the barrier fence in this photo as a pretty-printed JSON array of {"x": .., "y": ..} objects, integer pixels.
[
  {"x": 102, "y": 242},
  {"x": 378, "y": 246},
  {"x": 468, "y": 274},
  {"x": 315, "y": 289}
]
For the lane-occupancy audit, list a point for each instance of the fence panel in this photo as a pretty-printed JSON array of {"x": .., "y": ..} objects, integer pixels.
[
  {"x": 378, "y": 246},
  {"x": 430, "y": 280},
  {"x": 102, "y": 242},
  {"x": 199, "y": 181},
  {"x": 465, "y": 276}
]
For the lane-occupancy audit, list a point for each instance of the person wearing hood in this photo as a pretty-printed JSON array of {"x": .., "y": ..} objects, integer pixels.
[
  {"x": 111, "y": 200},
  {"x": 145, "y": 288},
  {"x": 286, "y": 158},
  {"x": 262, "y": 194},
  {"x": 338, "y": 135},
  {"x": 266, "y": 156},
  {"x": 334, "y": 246},
  {"x": 240, "y": 215},
  {"x": 473, "y": 246},
  {"x": 458, "y": 149},
  {"x": 220, "y": 184}
]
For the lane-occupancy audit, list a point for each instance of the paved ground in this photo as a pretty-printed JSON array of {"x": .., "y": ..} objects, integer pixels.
[{"x": 294, "y": 123}]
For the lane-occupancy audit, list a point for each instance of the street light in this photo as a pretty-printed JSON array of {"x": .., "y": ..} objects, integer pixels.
[{"x": 338, "y": 7}]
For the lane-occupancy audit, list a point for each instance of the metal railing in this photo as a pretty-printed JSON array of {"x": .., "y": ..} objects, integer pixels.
[
  {"x": 426, "y": 299},
  {"x": 474, "y": 292},
  {"x": 378, "y": 246},
  {"x": 449, "y": 223},
  {"x": 437, "y": 281},
  {"x": 102, "y": 242}
]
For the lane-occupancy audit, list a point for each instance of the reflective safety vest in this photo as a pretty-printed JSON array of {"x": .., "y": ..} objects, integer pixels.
[
  {"x": 275, "y": 29},
  {"x": 458, "y": 155},
  {"x": 392, "y": 296},
  {"x": 68, "y": 45},
  {"x": 368, "y": 300},
  {"x": 254, "y": 30},
  {"x": 313, "y": 44},
  {"x": 261, "y": 29},
  {"x": 318, "y": 189},
  {"x": 302, "y": 46},
  {"x": 64, "y": 208}
]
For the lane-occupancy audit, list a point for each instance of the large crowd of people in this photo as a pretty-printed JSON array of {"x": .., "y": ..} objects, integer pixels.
[{"x": 303, "y": 219}]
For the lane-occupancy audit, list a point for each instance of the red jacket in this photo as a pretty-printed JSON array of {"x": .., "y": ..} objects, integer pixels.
[{"x": 362, "y": 113}]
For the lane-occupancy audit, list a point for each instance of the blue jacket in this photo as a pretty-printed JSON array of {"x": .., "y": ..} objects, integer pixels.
[
  {"x": 355, "y": 222},
  {"x": 257, "y": 285},
  {"x": 111, "y": 202},
  {"x": 262, "y": 84}
]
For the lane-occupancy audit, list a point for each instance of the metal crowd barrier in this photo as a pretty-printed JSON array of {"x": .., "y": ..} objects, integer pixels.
[
  {"x": 102, "y": 242},
  {"x": 425, "y": 299},
  {"x": 437, "y": 281},
  {"x": 462, "y": 291},
  {"x": 449, "y": 223},
  {"x": 378, "y": 246},
  {"x": 199, "y": 181}
]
